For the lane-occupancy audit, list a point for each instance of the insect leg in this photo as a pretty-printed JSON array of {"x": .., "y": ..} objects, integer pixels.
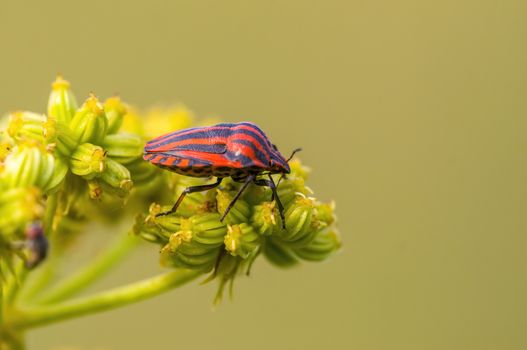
[
  {"x": 270, "y": 183},
  {"x": 273, "y": 186},
  {"x": 188, "y": 190},
  {"x": 248, "y": 180}
]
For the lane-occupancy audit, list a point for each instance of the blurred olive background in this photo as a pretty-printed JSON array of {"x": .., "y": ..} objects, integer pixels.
[{"x": 412, "y": 115}]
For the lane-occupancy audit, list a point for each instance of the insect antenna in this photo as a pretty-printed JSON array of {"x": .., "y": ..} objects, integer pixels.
[
  {"x": 288, "y": 159},
  {"x": 293, "y": 154}
]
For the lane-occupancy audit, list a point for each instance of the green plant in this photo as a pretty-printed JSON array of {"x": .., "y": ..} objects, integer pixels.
[{"x": 72, "y": 166}]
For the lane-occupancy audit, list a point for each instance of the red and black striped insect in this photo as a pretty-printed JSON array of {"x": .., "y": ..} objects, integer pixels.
[{"x": 241, "y": 151}]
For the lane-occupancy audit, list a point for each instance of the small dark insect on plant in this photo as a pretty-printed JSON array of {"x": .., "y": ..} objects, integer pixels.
[
  {"x": 241, "y": 151},
  {"x": 36, "y": 245}
]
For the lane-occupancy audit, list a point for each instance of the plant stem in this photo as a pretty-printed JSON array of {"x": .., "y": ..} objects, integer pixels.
[
  {"x": 128, "y": 294},
  {"x": 43, "y": 278},
  {"x": 49, "y": 215},
  {"x": 11, "y": 341},
  {"x": 93, "y": 271},
  {"x": 14, "y": 283},
  {"x": 2, "y": 300}
]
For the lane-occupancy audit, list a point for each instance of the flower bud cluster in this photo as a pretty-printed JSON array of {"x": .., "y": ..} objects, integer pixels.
[
  {"x": 85, "y": 141},
  {"x": 74, "y": 152},
  {"x": 195, "y": 238}
]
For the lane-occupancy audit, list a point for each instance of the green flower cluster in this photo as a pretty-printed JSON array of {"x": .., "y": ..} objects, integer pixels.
[
  {"x": 62, "y": 161},
  {"x": 195, "y": 238}
]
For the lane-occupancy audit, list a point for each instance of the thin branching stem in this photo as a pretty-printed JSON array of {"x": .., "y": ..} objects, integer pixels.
[
  {"x": 132, "y": 293},
  {"x": 93, "y": 271},
  {"x": 14, "y": 282}
]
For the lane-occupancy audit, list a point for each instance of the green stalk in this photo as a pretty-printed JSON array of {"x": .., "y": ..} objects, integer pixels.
[
  {"x": 128, "y": 294},
  {"x": 1, "y": 304},
  {"x": 11, "y": 341},
  {"x": 14, "y": 283},
  {"x": 49, "y": 216},
  {"x": 92, "y": 272},
  {"x": 46, "y": 274}
]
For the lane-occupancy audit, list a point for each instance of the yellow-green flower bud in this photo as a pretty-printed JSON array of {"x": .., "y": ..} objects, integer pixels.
[
  {"x": 180, "y": 252},
  {"x": 325, "y": 243},
  {"x": 159, "y": 120},
  {"x": 299, "y": 220},
  {"x": 207, "y": 229},
  {"x": 124, "y": 148},
  {"x": 290, "y": 188},
  {"x": 89, "y": 124},
  {"x": 241, "y": 240},
  {"x": 160, "y": 226},
  {"x": 134, "y": 123},
  {"x": 170, "y": 223},
  {"x": 28, "y": 165},
  {"x": 117, "y": 177},
  {"x": 60, "y": 169},
  {"x": 324, "y": 212},
  {"x": 148, "y": 230},
  {"x": 61, "y": 136},
  {"x": 115, "y": 111},
  {"x": 277, "y": 254},
  {"x": 240, "y": 212},
  {"x": 298, "y": 170},
  {"x": 26, "y": 126},
  {"x": 197, "y": 243},
  {"x": 266, "y": 218},
  {"x": 62, "y": 104},
  {"x": 88, "y": 161}
]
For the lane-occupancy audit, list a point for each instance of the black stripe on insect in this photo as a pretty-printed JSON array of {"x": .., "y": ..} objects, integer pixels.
[{"x": 245, "y": 179}]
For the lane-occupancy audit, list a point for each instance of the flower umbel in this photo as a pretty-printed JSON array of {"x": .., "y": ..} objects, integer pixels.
[{"x": 253, "y": 225}]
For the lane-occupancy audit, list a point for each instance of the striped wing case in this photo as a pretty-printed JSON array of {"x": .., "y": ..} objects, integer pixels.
[{"x": 240, "y": 146}]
